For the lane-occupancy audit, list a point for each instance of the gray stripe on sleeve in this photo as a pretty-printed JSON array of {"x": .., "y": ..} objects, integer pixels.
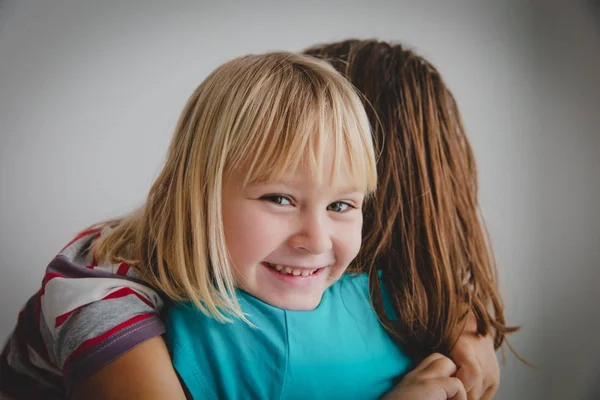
[
  {"x": 94, "y": 320},
  {"x": 111, "y": 348}
]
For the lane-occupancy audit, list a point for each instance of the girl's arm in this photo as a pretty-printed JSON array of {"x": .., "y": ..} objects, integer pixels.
[
  {"x": 145, "y": 372},
  {"x": 83, "y": 318},
  {"x": 432, "y": 379},
  {"x": 477, "y": 365}
]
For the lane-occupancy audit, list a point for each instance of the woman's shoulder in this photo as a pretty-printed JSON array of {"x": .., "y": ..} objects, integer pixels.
[
  {"x": 353, "y": 281},
  {"x": 355, "y": 284},
  {"x": 354, "y": 290}
]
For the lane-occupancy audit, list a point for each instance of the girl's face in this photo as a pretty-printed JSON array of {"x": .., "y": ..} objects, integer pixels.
[{"x": 291, "y": 239}]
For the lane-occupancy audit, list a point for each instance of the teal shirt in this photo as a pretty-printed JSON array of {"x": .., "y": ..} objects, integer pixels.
[{"x": 337, "y": 351}]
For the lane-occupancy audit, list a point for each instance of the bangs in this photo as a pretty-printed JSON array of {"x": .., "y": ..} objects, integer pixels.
[{"x": 291, "y": 121}]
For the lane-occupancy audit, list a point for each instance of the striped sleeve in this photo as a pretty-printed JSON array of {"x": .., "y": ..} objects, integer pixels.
[{"x": 84, "y": 316}]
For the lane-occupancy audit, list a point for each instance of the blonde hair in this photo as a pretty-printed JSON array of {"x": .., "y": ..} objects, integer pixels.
[{"x": 257, "y": 115}]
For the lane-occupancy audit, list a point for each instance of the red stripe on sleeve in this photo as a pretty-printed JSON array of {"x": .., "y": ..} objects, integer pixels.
[
  {"x": 126, "y": 291},
  {"x": 123, "y": 269},
  {"x": 91, "y": 342}
]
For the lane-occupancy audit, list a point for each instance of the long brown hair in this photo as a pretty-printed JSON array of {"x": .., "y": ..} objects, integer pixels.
[{"x": 423, "y": 232}]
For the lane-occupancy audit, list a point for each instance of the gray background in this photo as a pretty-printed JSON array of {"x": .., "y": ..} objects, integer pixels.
[{"x": 90, "y": 92}]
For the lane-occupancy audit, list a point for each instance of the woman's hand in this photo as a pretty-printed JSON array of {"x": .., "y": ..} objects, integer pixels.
[
  {"x": 475, "y": 358},
  {"x": 432, "y": 379}
]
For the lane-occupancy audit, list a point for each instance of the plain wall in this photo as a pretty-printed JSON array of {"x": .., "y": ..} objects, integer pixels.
[{"x": 90, "y": 92}]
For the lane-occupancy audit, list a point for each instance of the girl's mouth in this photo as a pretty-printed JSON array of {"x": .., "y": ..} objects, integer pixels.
[{"x": 294, "y": 271}]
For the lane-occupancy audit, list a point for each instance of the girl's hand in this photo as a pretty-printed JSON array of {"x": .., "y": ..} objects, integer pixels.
[
  {"x": 432, "y": 379},
  {"x": 475, "y": 358}
]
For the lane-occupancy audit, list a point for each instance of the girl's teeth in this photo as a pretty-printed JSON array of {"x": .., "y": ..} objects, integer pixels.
[{"x": 294, "y": 272}]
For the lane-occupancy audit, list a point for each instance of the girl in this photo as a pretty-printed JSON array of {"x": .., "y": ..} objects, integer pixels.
[
  {"x": 80, "y": 355},
  {"x": 290, "y": 216},
  {"x": 195, "y": 343}
]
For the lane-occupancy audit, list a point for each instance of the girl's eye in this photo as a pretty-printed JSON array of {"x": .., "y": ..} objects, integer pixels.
[
  {"x": 339, "y": 206},
  {"x": 277, "y": 199}
]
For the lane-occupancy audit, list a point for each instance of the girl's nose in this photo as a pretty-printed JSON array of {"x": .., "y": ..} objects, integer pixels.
[{"x": 313, "y": 235}]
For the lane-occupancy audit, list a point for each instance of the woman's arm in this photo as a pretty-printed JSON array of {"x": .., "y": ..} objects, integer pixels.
[{"x": 145, "y": 372}]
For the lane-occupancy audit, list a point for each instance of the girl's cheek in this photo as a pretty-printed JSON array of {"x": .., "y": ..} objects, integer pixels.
[{"x": 351, "y": 240}]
